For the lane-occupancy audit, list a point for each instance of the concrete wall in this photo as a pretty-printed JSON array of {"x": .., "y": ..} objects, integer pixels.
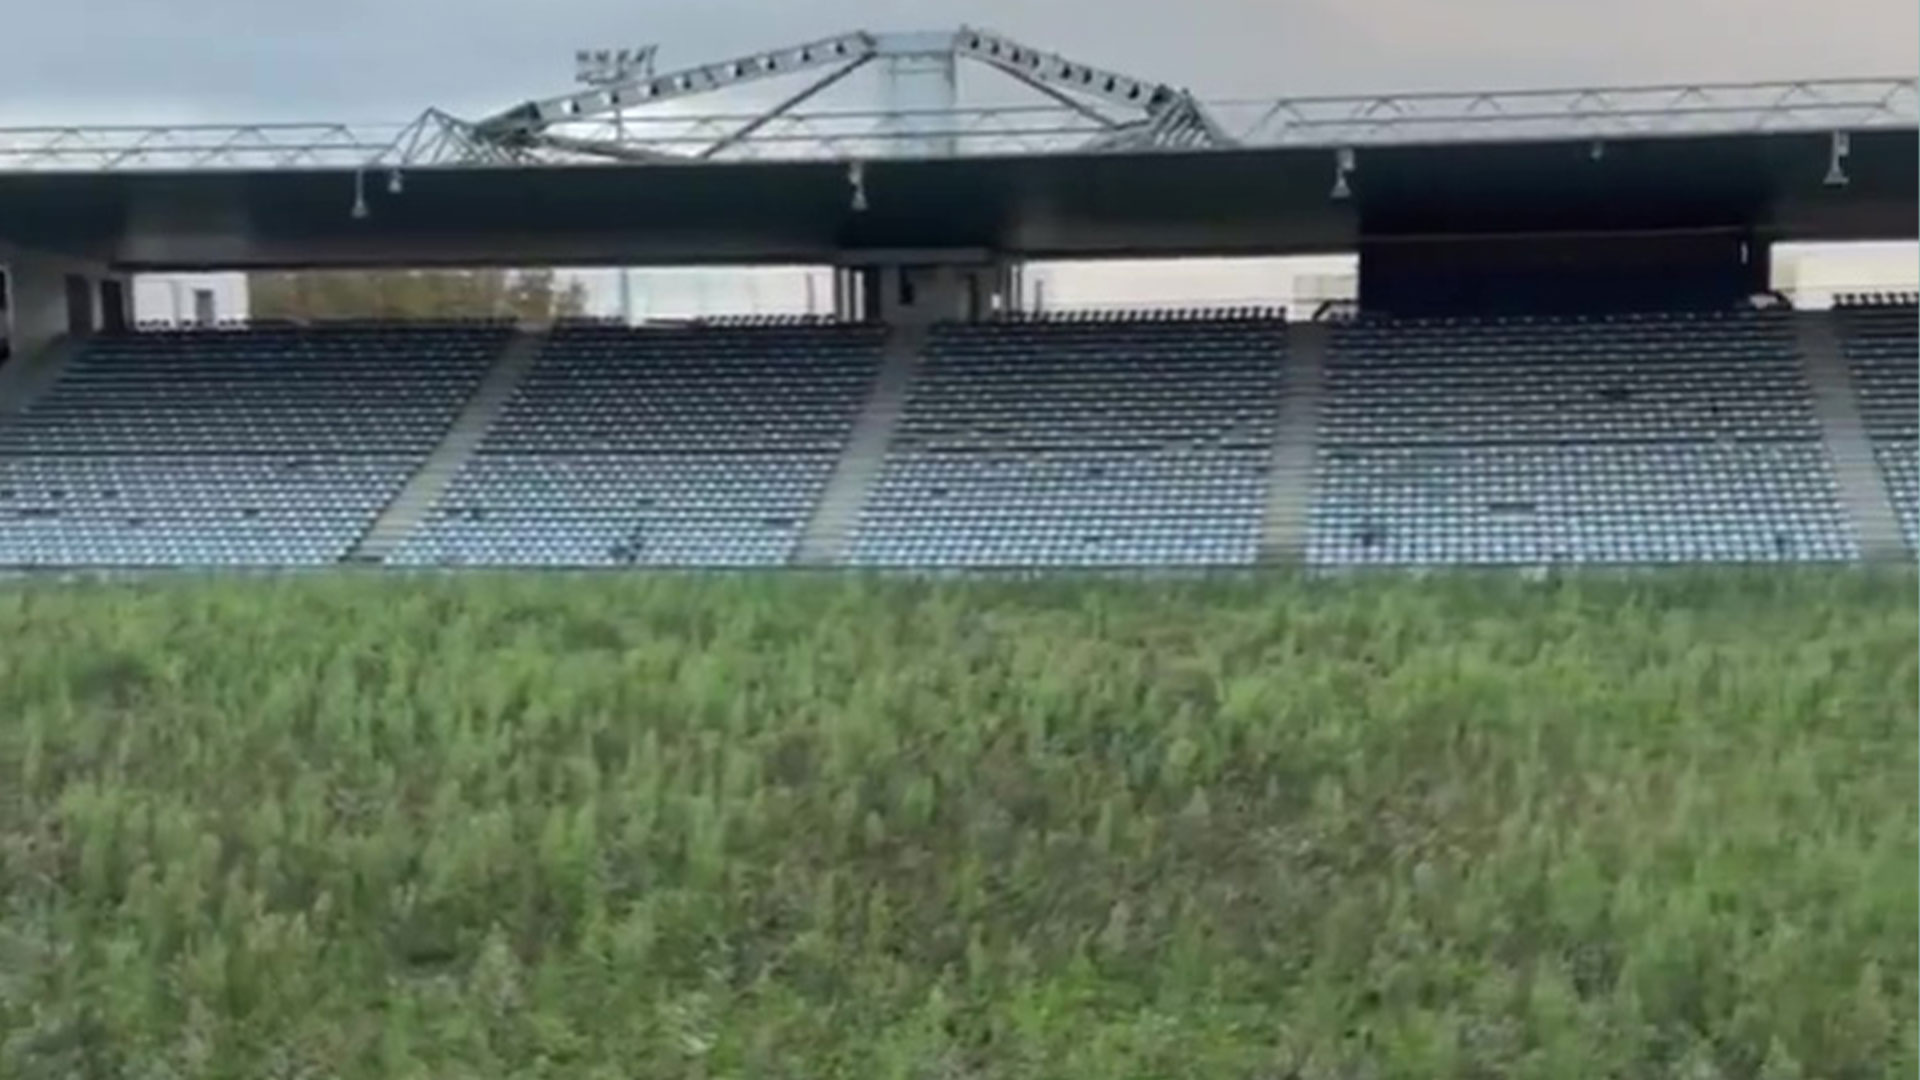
[
  {"x": 1300, "y": 283},
  {"x": 169, "y": 298},
  {"x": 38, "y": 313},
  {"x": 1812, "y": 275},
  {"x": 925, "y": 294}
]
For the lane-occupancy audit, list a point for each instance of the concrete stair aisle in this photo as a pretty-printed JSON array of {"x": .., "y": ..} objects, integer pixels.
[
  {"x": 1836, "y": 405},
  {"x": 1290, "y": 471},
  {"x": 423, "y": 490},
  {"x": 824, "y": 542}
]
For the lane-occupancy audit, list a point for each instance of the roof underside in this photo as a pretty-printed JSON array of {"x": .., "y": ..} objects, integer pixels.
[{"x": 1268, "y": 201}]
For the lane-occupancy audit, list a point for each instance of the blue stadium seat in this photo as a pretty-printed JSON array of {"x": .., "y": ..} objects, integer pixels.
[
  {"x": 1119, "y": 440},
  {"x": 221, "y": 448},
  {"x": 1622, "y": 439},
  {"x": 692, "y": 446}
]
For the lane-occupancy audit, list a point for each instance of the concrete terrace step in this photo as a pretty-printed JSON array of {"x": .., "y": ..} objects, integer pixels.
[
  {"x": 1283, "y": 535},
  {"x": 1836, "y": 404},
  {"x": 825, "y": 540},
  {"x": 423, "y": 490}
]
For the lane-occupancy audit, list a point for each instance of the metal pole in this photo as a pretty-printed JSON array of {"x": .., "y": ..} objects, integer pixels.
[{"x": 626, "y": 272}]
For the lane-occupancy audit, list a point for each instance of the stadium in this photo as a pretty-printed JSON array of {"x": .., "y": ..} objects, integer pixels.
[
  {"x": 946, "y": 806},
  {"x": 1555, "y": 354}
]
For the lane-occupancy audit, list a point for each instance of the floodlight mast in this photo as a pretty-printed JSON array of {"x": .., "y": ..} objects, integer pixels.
[
  {"x": 608, "y": 67},
  {"x": 604, "y": 69}
]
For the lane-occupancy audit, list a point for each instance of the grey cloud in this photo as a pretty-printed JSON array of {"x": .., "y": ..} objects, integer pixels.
[{"x": 94, "y": 60}]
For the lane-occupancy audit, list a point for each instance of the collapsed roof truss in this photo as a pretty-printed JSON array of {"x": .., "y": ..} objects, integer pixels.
[
  {"x": 1077, "y": 108},
  {"x": 1150, "y": 115}
]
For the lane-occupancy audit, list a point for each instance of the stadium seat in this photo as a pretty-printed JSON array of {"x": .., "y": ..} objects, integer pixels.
[
  {"x": 1080, "y": 439},
  {"x": 703, "y": 445},
  {"x": 1111, "y": 439},
  {"x": 1646, "y": 438},
  {"x": 229, "y": 447}
]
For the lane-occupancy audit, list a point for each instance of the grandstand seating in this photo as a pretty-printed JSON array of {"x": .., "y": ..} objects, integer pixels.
[
  {"x": 1883, "y": 351},
  {"x": 1090, "y": 442},
  {"x": 1125, "y": 440},
  {"x": 228, "y": 448},
  {"x": 677, "y": 446},
  {"x": 1650, "y": 438}
]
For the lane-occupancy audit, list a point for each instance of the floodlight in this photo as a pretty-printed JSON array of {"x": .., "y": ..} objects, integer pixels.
[
  {"x": 1343, "y": 163},
  {"x": 1842, "y": 145},
  {"x": 857, "y": 177},
  {"x": 600, "y": 67}
]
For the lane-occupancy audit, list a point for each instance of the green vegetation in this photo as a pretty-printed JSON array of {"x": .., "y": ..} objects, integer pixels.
[
  {"x": 534, "y": 295},
  {"x": 821, "y": 827}
]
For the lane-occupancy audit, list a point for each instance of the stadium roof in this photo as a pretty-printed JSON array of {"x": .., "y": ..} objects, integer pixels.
[
  {"x": 629, "y": 170},
  {"x": 436, "y": 139},
  {"x": 1249, "y": 201},
  {"x": 629, "y": 114}
]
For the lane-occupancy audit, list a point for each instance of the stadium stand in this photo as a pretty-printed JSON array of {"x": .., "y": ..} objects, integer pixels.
[
  {"x": 1082, "y": 441},
  {"x": 228, "y": 448},
  {"x": 701, "y": 445},
  {"x": 1621, "y": 439},
  {"x": 1137, "y": 439},
  {"x": 1883, "y": 352}
]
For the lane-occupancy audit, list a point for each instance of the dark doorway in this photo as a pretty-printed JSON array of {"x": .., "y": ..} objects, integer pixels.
[
  {"x": 113, "y": 306},
  {"x": 6, "y": 314},
  {"x": 79, "y": 306}
]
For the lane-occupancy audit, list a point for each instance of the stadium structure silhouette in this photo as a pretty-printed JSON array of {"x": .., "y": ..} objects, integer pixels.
[{"x": 1564, "y": 348}]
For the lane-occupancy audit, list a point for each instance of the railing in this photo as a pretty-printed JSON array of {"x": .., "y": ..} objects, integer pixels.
[
  {"x": 1819, "y": 297},
  {"x": 193, "y": 146},
  {"x": 436, "y": 139},
  {"x": 1676, "y": 109}
]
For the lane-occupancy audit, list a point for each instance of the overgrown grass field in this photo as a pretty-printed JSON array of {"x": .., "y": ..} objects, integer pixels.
[{"x": 822, "y": 827}]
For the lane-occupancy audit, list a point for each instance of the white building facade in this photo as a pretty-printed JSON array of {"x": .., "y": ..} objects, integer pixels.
[{"x": 190, "y": 299}]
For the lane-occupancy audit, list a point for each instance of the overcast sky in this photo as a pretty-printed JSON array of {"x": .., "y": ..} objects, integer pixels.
[{"x": 366, "y": 60}]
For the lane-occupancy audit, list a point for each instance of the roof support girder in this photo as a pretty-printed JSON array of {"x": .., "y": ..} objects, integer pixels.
[
  {"x": 535, "y": 116},
  {"x": 1174, "y": 118},
  {"x": 1170, "y": 118},
  {"x": 746, "y": 130},
  {"x": 1035, "y": 65}
]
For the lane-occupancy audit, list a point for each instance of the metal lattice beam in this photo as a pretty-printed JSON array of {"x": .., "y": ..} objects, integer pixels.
[
  {"x": 191, "y": 146},
  {"x": 1173, "y": 118},
  {"x": 438, "y": 140},
  {"x": 1164, "y": 117},
  {"x": 537, "y": 116},
  {"x": 746, "y": 130},
  {"x": 1673, "y": 109}
]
